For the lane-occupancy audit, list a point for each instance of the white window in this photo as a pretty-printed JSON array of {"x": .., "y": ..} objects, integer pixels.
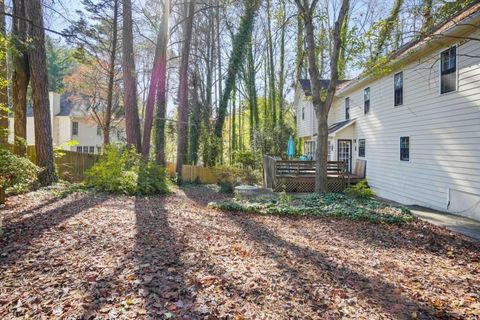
[
  {"x": 99, "y": 130},
  {"x": 91, "y": 149},
  {"x": 85, "y": 149},
  {"x": 79, "y": 149}
]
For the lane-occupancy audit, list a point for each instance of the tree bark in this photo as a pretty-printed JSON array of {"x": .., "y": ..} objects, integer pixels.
[
  {"x": 322, "y": 106},
  {"x": 41, "y": 107},
  {"x": 130, "y": 81},
  {"x": 20, "y": 77},
  {"x": 195, "y": 122},
  {"x": 154, "y": 79},
  {"x": 107, "y": 120},
  {"x": 3, "y": 77},
  {"x": 271, "y": 64},
  {"x": 161, "y": 90},
  {"x": 182, "y": 125}
]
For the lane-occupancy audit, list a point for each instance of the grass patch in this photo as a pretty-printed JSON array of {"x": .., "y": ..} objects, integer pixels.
[{"x": 328, "y": 205}]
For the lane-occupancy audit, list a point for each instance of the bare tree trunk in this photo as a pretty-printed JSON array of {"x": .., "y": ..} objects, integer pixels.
[
  {"x": 111, "y": 76},
  {"x": 162, "y": 88},
  {"x": 322, "y": 106},
  {"x": 130, "y": 80},
  {"x": 271, "y": 64},
  {"x": 3, "y": 76},
  {"x": 182, "y": 127},
  {"x": 154, "y": 78},
  {"x": 195, "y": 121},
  {"x": 20, "y": 77},
  {"x": 41, "y": 107}
]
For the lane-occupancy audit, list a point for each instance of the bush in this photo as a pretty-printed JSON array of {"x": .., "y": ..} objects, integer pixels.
[
  {"x": 231, "y": 176},
  {"x": 360, "y": 190},
  {"x": 121, "y": 170},
  {"x": 17, "y": 174}
]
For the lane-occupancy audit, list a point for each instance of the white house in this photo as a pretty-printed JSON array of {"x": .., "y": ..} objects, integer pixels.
[
  {"x": 71, "y": 121},
  {"x": 418, "y": 126}
]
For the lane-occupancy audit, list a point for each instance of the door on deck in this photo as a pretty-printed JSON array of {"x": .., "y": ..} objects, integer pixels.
[{"x": 344, "y": 152}]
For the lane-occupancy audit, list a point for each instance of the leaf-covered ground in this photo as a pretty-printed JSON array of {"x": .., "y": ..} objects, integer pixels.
[{"x": 110, "y": 257}]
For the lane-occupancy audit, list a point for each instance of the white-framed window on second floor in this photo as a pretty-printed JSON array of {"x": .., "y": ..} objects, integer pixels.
[
  {"x": 303, "y": 113},
  {"x": 79, "y": 149},
  {"x": 347, "y": 108},
  {"x": 366, "y": 100},
  {"x": 99, "y": 131},
  {"x": 398, "y": 89},
  {"x": 405, "y": 148},
  {"x": 75, "y": 128},
  {"x": 448, "y": 70},
  {"x": 361, "y": 148}
]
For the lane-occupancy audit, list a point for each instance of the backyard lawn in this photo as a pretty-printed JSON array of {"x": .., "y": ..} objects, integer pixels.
[{"x": 172, "y": 257}]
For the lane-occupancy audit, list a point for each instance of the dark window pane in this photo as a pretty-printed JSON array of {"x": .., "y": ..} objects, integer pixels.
[
  {"x": 347, "y": 108},
  {"x": 405, "y": 148},
  {"x": 366, "y": 100},
  {"x": 361, "y": 148},
  {"x": 448, "y": 77},
  {"x": 398, "y": 88},
  {"x": 74, "y": 128}
]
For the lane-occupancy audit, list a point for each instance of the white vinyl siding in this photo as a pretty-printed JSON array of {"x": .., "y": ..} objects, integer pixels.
[
  {"x": 443, "y": 129},
  {"x": 305, "y": 125}
]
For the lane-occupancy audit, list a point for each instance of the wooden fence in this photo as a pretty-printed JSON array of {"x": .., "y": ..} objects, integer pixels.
[
  {"x": 195, "y": 174},
  {"x": 71, "y": 165}
]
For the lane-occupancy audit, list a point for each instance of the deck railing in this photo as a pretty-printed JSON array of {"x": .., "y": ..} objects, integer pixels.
[{"x": 299, "y": 176}]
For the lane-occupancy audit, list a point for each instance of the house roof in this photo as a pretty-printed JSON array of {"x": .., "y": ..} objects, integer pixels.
[
  {"x": 307, "y": 88},
  {"x": 66, "y": 105},
  {"x": 339, "y": 126}
]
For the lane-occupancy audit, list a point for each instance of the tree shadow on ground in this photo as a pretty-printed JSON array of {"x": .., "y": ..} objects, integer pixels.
[
  {"x": 373, "y": 290},
  {"x": 18, "y": 235},
  {"x": 417, "y": 236},
  {"x": 149, "y": 279}
]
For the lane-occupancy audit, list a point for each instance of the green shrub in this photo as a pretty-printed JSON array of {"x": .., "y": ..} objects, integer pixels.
[
  {"x": 231, "y": 176},
  {"x": 17, "y": 174},
  {"x": 360, "y": 190},
  {"x": 152, "y": 179},
  {"x": 121, "y": 170}
]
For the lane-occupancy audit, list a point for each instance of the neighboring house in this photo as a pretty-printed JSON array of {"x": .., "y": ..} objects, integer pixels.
[
  {"x": 71, "y": 121},
  {"x": 417, "y": 126}
]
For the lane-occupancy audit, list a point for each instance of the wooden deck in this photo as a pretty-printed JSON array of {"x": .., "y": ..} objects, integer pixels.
[{"x": 299, "y": 176}]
